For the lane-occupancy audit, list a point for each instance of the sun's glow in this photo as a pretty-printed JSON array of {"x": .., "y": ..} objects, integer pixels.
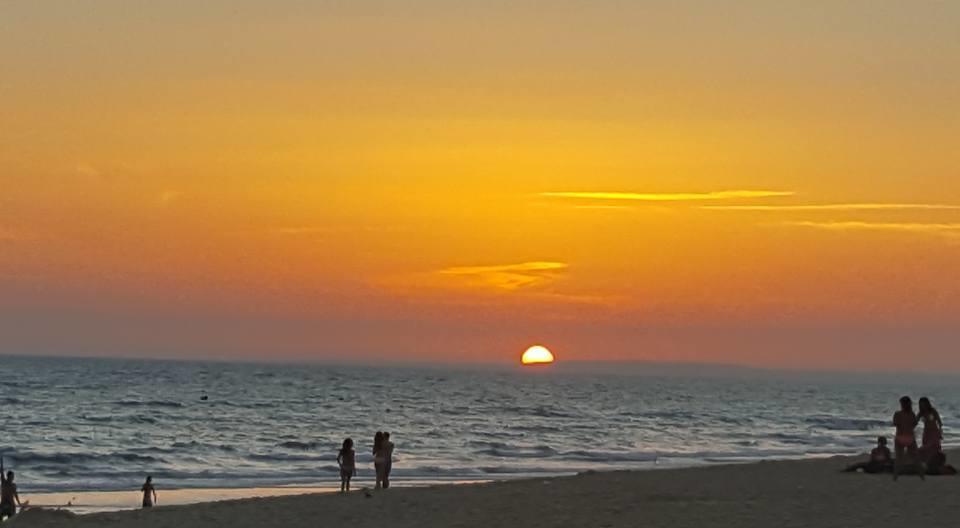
[{"x": 537, "y": 355}]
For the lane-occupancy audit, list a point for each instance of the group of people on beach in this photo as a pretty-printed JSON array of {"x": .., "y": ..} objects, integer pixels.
[
  {"x": 926, "y": 458},
  {"x": 346, "y": 459},
  {"x": 909, "y": 457},
  {"x": 382, "y": 461}
]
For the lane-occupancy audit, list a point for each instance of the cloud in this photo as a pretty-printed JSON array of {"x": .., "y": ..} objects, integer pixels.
[
  {"x": 299, "y": 230},
  {"x": 668, "y": 197},
  {"x": 85, "y": 169},
  {"x": 307, "y": 230},
  {"x": 19, "y": 277},
  {"x": 949, "y": 229},
  {"x": 167, "y": 197},
  {"x": 603, "y": 207},
  {"x": 508, "y": 276},
  {"x": 288, "y": 231},
  {"x": 835, "y": 207},
  {"x": 9, "y": 234}
]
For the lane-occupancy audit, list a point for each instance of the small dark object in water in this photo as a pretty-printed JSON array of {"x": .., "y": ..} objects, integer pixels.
[{"x": 204, "y": 398}]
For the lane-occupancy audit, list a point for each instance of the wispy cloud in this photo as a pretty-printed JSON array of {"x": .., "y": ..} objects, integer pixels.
[
  {"x": 283, "y": 231},
  {"x": 19, "y": 277},
  {"x": 86, "y": 169},
  {"x": 835, "y": 207},
  {"x": 950, "y": 229},
  {"x": 167, "y": 197},
  {"x": 668, "y": 196},
  {"x": 308, "y": 230},
  {"x": 603, "y": 207},
  {"x": 509, "y": 276},
  {"x": 299, "y": 230},
  {"x": 10, "y": 234}
]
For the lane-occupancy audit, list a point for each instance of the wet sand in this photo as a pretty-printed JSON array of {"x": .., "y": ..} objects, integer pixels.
[
  {"x": 785, "y": 494},
  {"x": 111, "y": 501}
]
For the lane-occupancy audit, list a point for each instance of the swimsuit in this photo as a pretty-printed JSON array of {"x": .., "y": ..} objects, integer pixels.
[
  {"x": 931, "y": 433},
  {"x": 906, "y": 439}
]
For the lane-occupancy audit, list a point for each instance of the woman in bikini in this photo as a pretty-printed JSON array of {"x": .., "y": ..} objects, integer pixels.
[
  {"x": 905, "y": 442},
  {"x": 932, "y": 430}
]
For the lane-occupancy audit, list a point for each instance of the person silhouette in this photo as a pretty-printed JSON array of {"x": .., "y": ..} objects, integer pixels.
[
  {"x": 932, "y": 430},
  {"x": 378, "y": 458},
  {"x": 347, "y": 460},
  {"x": 149, "y": 493},
  {"x": 387, "y": 448},
  {"x": 881, "y": 460},
  {"x": 905, "y": 442},
  {"x": 9, "y": 498}
]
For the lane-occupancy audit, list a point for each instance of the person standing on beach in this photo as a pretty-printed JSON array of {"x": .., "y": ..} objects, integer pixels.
[
  {"x": 905, "y": 442},
  {"x": 387, "y": 459},
  {"x": 378, "y": 459},
  {"x": 347, "y": 460},
  {"x": 932, "y": 430},
  {"x": 9, "y": 498},
  {"x": 149, "y": 493}
]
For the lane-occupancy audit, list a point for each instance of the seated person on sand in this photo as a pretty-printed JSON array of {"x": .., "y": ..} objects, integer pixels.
[
  {"x": 881, "y": 461},
  {"x": 937, "y": 465}
]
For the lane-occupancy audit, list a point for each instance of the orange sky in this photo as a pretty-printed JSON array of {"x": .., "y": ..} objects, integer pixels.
[{"x": 756, "y": 183}]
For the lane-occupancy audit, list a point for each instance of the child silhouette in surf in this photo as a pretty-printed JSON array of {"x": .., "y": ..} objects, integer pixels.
[
  {"x": 9, "y": 498},
  {"x": 347, "y": 460},
  {"x": 149, "y": 493}
]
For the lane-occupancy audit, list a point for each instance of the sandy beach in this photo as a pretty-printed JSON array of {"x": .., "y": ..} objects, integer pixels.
[{"x": 807, "y": 493}]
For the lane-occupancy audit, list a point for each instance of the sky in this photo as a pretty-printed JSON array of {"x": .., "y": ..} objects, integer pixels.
[{"x": 764, "y": 183}]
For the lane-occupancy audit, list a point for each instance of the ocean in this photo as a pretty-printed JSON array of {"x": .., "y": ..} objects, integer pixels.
[{"x": 103, "y": 424}]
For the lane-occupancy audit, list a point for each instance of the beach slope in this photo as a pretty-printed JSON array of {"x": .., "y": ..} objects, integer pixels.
[{"x": 784, "y": 494}]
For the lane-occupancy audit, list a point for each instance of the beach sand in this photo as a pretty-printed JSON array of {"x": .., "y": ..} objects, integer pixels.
[
  {"x": 783, "y": 494},
  {"x": 110, "y": 501}
]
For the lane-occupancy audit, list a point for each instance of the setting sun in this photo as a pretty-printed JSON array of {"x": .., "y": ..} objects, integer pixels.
[{"x": 537, "y": 355}]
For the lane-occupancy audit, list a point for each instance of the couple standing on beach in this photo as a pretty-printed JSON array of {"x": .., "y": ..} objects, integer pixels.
[
  {"x": 382, "y": 458},
  {"x": 930, "y": 453},
  {"x": 382, "y": 461}
]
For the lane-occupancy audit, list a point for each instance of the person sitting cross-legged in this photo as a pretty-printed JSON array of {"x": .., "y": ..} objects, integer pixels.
[{"x": 881, "y": 460}]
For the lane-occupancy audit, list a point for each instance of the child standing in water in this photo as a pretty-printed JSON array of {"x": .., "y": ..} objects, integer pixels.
[
  {"x": 149, "y": 493},
  {"x": 347, "y": 460}
]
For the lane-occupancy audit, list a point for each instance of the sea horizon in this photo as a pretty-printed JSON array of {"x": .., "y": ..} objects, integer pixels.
[
  {"x": 650, "y": 366},
  {"x": 102, "y": 424}
]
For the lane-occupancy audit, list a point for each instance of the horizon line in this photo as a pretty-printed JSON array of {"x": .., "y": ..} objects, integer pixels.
[{"x": 374, "y": 362}]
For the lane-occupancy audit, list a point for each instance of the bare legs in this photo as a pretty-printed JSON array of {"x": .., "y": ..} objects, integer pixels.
[{"x": 900, "y": 464}]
